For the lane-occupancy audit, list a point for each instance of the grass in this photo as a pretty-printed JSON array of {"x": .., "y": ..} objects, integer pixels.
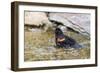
[{"x": 40, "y": 46}]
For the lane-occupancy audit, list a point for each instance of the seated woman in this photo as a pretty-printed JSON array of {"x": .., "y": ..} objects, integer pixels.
[{"x": 63, "y": 41}]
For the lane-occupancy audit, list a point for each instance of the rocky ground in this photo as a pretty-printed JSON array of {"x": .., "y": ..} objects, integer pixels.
[{"x": 40, "y": 46}]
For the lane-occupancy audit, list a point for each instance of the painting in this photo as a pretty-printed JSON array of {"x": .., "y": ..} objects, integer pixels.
[
  {"x": 51, "y": 36},
  {"x": 56, "y": 36}
]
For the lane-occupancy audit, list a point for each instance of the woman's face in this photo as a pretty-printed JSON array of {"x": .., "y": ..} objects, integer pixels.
[{"x": 58, "y": 31}]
